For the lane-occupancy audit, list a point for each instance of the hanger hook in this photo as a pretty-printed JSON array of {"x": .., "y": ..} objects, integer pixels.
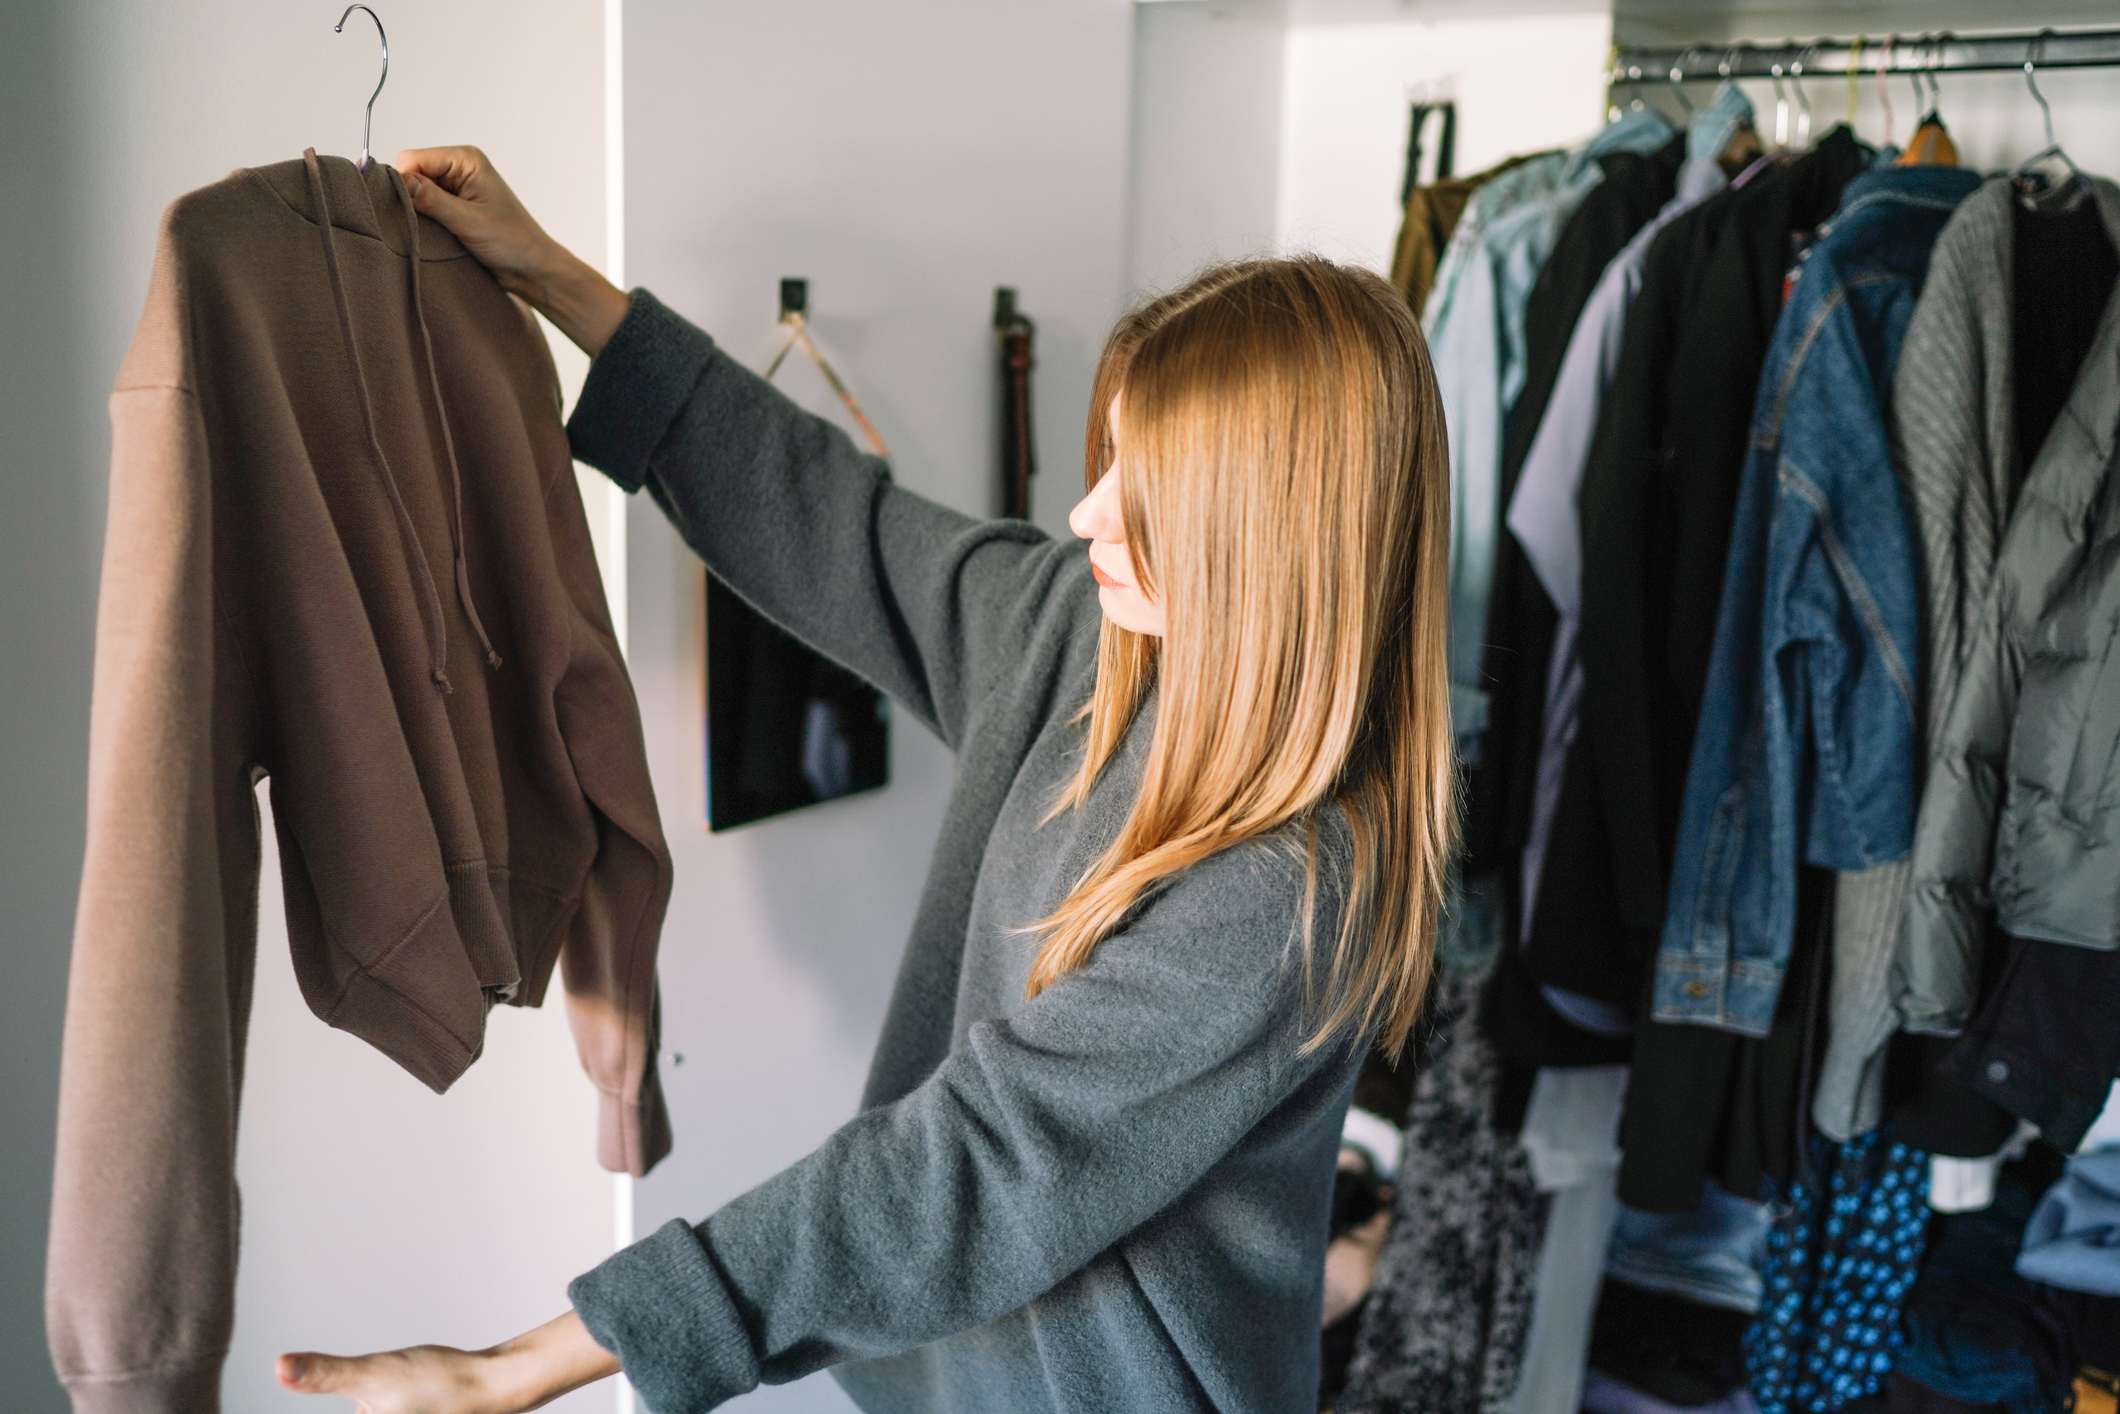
[
  {"x": 1884, "y": 91},
  {"x": 1677, "y": 77},
  {"x": 1936, "y": 50},
  {"x": 2032, "y": 51},
  {"x": 1803, "y": 100},
  {"x": 368, "y": 119},
  {"x": 1728, "y": 61},
  {"x": 1781, "y": 103}
]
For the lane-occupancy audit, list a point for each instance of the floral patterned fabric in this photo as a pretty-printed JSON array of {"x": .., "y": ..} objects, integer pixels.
[{"x": 1443, "y": 1330}]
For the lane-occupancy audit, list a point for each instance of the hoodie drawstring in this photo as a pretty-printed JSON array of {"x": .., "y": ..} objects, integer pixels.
[
  {"x": 408, "y": 536},
  {"x": 441, "y": 411}
]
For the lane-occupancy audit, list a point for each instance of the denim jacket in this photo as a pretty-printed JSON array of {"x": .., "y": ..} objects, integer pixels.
[{"x": 1806, "y": 744}]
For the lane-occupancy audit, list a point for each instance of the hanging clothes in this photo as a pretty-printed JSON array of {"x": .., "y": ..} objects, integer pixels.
[
  {"x": 1655, "y": 506},
  {"x": 1541, "y": 710},
  {"x": 1632, "y": 188},
  {"x": 1480, "y": 368},
  {"x": 345, "y": 554},
  {"x": 1957, "y": 414},
  {"x": 1571, "y": 1137},
  {"x": 1432, "y": 214},
  {"x": 1657, "y": 495},
  {"x": 1941, "y": 935},
  {"x": 1806, "y": 741},
  {"x": 1444, "y": 1328},
  {"x": 1975, "y": 1330},
  {"x": 1840, "y": 1261},
  {"x": 1507, "y": 186}
]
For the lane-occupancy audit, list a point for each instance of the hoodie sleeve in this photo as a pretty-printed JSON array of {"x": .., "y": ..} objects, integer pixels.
[
  {"x": 929, "y": 604},
  {"x": 1046, "y": 1137},
  {"x": 140, "y": 1273},
  {"x": 607, "y": 957}
]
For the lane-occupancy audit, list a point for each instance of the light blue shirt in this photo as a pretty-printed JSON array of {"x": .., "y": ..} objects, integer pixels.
[{"x": 1479, "y": 360}]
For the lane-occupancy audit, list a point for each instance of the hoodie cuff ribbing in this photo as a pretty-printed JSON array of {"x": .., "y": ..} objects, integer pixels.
[
  {"x": 635, "y": 387},
  {"x": 662, "y": 1307},
  {"x": 194, "y": 1389}
]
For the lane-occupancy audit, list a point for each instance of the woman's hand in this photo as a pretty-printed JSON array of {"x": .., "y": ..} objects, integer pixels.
[
  {"x": 459, "y": 187},
  {"x": 525, "y": 1373}
]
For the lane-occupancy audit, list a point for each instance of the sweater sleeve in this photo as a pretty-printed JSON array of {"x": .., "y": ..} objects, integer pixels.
[
  {"x": 929, "y": 604},
  {"x": 1047, "y": 1136},
  {"x": 140, "y": 1273}
]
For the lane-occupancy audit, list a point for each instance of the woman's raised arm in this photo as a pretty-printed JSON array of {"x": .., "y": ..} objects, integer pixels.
[{"x": 931, "y": 605}]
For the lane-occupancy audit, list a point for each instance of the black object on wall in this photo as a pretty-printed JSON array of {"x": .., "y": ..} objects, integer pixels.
[
  {"x": 786, "y": 727},
  {"x": 1019, "y": 461},
  {"x": 1446, "y": 146}
]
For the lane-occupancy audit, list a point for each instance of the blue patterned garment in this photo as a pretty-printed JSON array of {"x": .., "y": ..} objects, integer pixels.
[{"x": 1840, "y": 1260}]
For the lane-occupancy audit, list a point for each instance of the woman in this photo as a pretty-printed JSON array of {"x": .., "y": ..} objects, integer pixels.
[{"x": 1190, "y": 867}]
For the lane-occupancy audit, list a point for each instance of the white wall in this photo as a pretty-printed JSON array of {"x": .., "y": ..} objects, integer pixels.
[
  {"x": 1261, "y": 124},
  {"x": 376, "y": 1213},
  {"x": 1520, "y": 82},
  {"x": 905, "y": 158},
  {"x": 1204, "y": 143}
]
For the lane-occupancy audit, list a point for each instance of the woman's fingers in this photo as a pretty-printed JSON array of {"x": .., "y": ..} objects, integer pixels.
[
  {"x": 312, "y": 1373},
  {"x": 459, "y": 187},
  {"x": 419, "y": 1379},
  {"x": 453, "y": 167},
  {"x": 431, "y": 198}
]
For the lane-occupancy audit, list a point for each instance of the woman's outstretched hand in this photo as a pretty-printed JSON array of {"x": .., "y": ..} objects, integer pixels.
[
  {"x": 459, "y": 187},
  {"x": 525, "y": 1373}
]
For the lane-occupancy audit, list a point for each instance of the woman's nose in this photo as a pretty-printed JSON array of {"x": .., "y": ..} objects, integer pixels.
[{"x": 1096, "y": 516}]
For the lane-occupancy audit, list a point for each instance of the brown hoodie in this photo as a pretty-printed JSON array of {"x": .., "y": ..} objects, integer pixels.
[{"x": 345, "y": 552}]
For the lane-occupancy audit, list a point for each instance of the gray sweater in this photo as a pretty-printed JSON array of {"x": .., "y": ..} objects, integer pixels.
[{"x": 1112, "y": 1197}]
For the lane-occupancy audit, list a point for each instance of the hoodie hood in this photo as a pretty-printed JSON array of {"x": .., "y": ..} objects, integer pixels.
[{"x": 375, "y": 203}]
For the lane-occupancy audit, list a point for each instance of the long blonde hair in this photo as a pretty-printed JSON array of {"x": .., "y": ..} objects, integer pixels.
[{"x": 1286, "y": 498}]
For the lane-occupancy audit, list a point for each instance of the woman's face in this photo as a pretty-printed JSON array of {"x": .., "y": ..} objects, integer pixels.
[{"x": 1097, "y": 519}]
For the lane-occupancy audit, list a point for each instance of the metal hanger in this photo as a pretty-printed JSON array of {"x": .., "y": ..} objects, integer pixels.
[
  {"x": 2034, "y": 187},
  {"x": 1884, "y": 90},
  {"x": 1677, "y": 77},
  {"x": 1937, "y": 45},
  {"x": 368, "y": 119},
  {"x": 1781, "y": 104},
  {"x": 1803, "y": 100},
  {"x": 1930, "y": 144}
]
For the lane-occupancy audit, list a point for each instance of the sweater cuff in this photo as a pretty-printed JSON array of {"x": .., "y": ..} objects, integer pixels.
[
  {"x": 635, "y": 387},
  {"x": 662, "y": 1307},
  {"x": 193, "y": 1390},
  {"x": 633, "y": 1135}
]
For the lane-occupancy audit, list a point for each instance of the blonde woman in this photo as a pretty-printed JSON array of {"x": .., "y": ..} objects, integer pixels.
[{"x": 1190, "y": 867}]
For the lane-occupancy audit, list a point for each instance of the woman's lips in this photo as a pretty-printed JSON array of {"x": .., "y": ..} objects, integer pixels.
[{"x": 1097, "y": 571}]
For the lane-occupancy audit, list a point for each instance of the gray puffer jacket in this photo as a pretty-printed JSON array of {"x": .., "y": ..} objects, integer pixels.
[
  {"x": 2020, "y": 810},
  {"x": 2057, "y": 857}
]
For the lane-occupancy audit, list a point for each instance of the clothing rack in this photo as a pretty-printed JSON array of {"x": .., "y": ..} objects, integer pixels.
[{"x": 1939, "y": 53}]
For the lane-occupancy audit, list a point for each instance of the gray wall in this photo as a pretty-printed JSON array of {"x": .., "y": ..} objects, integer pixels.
[{"x": 376, "y": 1213}]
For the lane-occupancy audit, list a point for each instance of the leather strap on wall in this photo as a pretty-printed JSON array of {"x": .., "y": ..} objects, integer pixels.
[{"x": 799, "y": 333}]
